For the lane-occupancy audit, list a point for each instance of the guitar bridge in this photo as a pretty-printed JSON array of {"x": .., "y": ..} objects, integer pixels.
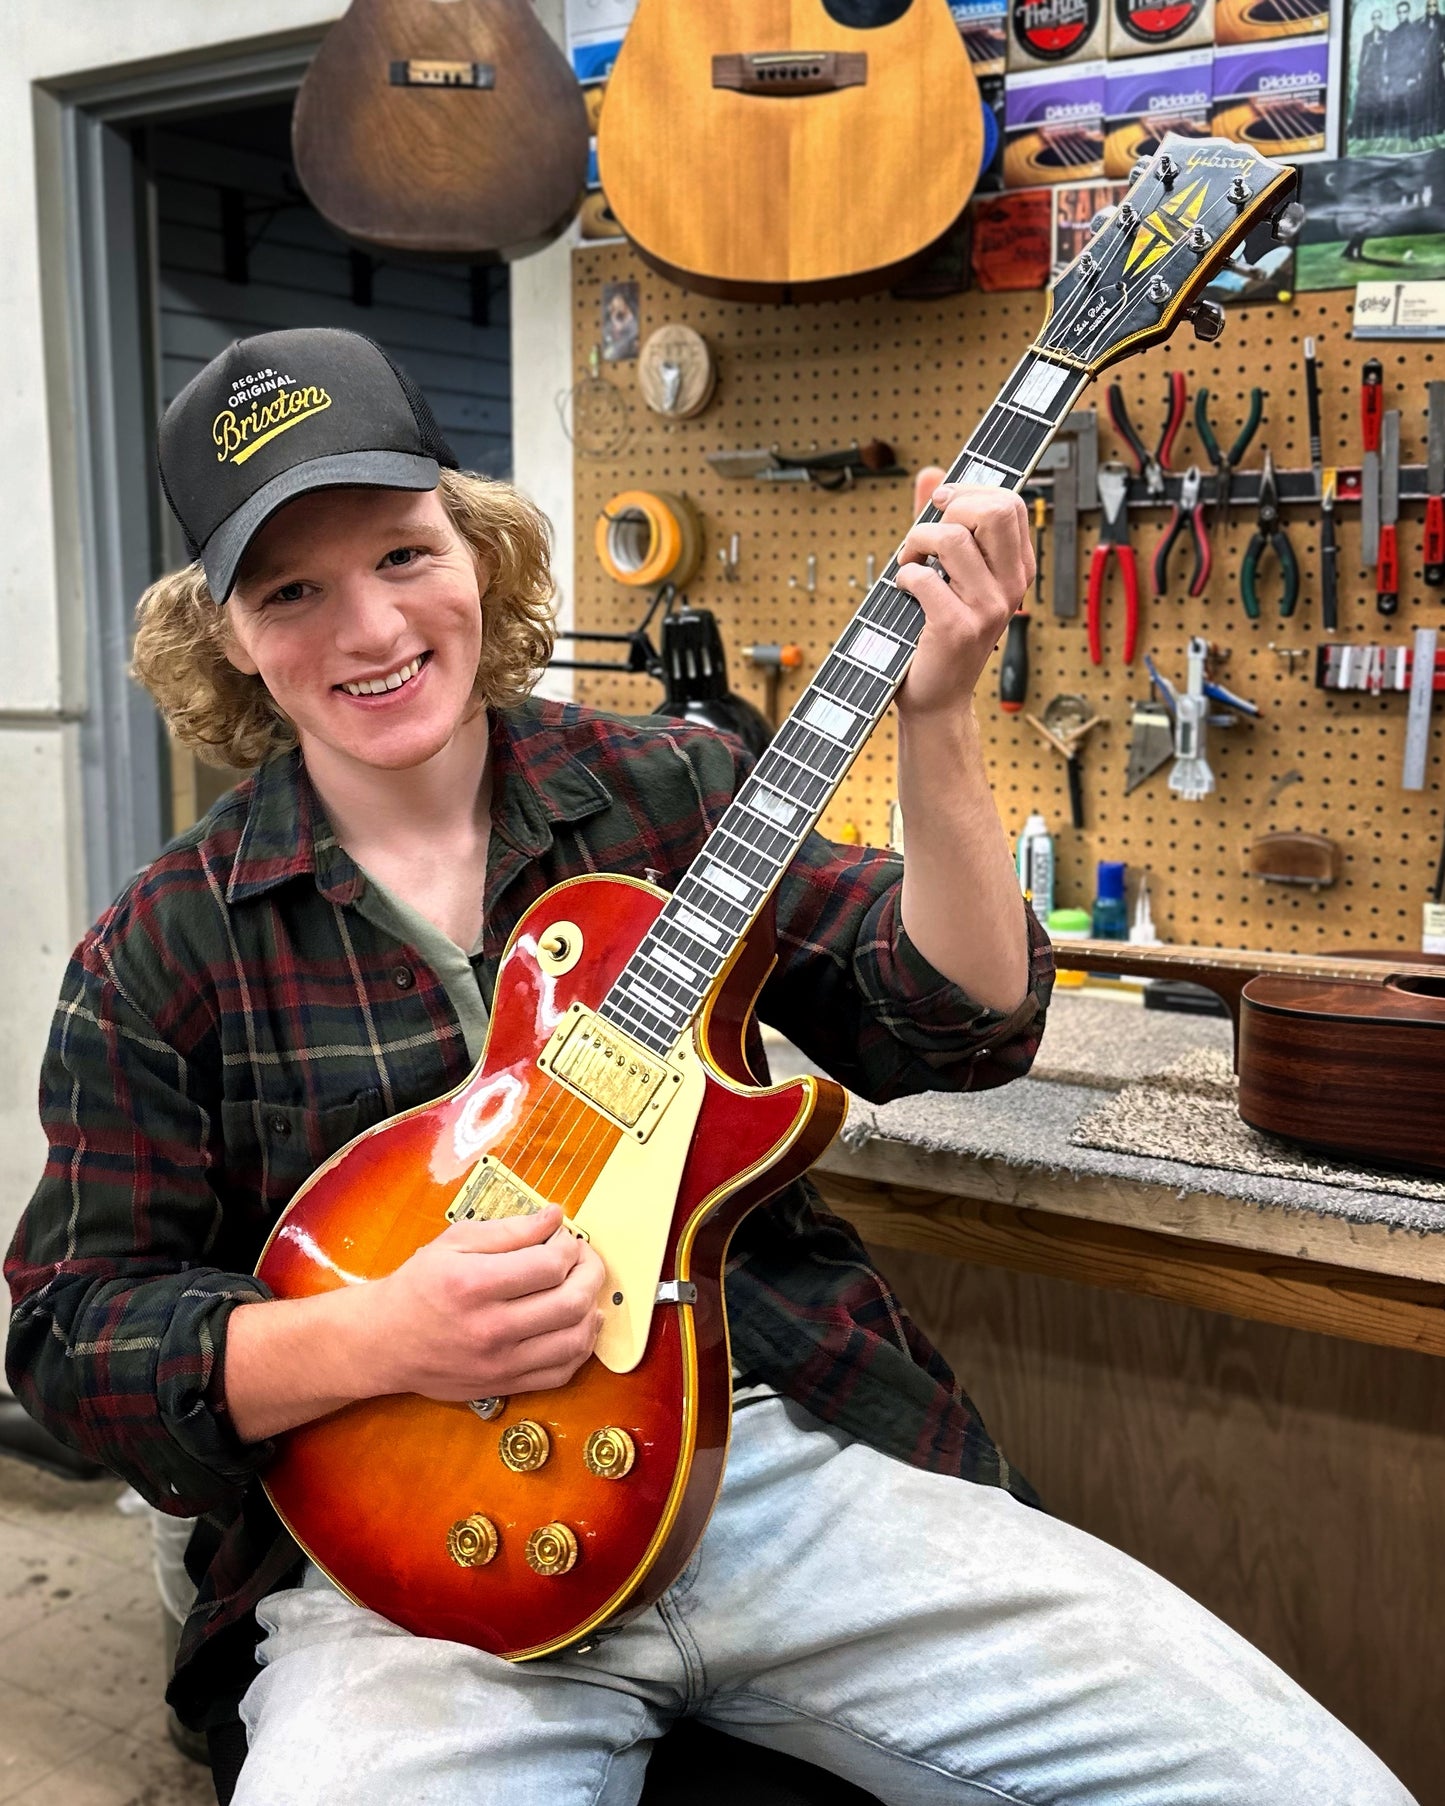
[
  {"x": 435, "y": 72},
  {"x": 610, "y": 1071},
  {"x": 493, "y": 1190}
]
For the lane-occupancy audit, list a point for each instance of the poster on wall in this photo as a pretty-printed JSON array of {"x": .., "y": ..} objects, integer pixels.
[
  {"x": 1045, "y": 33},
  {"x": 1145, "y": 27},
  {"x": 1272, "y": 96},
  {"x": 1149, "y": 96},
  {"x": 1395, "y": 86},
  {"x": 1261, "y": 21},
  {"x": 1055, "y": 126},
  {"x": 1260, "y": 270},
  {"x": 1372, "y": 219}
]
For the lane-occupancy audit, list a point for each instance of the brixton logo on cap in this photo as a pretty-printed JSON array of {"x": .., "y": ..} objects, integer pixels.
[{"x": 261, "y": 407}]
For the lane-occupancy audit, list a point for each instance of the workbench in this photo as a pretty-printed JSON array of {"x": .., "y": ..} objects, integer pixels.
[{"x": 1230, "y": 1376}]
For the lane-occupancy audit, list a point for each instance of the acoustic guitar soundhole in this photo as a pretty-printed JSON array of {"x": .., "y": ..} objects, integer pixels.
[
  {"x": 1420, "y": 987},
  {"x": 865, "y": 15},
  {"x": 1065, "y": 150}
]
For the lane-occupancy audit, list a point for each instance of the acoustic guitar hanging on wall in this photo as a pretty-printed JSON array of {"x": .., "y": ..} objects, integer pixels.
[
  {"x": 444, "y": 128},
  {"x": 769, "y": 150}
]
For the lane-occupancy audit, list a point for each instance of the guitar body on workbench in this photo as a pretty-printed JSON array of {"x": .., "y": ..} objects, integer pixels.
[{"x": 739, "y": 142}]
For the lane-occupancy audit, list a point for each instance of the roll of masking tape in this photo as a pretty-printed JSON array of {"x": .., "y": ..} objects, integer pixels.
[{"x": 645, "y": 537}]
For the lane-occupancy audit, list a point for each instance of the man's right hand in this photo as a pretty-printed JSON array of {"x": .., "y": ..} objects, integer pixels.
[{"x": 485, "y": 1310}]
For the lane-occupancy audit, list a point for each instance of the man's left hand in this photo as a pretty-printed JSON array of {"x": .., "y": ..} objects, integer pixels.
[{"x": 986, "y": 549}]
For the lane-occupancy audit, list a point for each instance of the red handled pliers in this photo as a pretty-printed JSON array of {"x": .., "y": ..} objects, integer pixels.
[
  {"x": 1152, "y": 465},
  {"x": 1113, "y": 537},
  {"x": 1186, "y": 514}
]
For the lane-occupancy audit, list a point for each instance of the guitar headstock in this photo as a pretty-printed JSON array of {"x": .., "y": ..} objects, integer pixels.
[{"x": 1144, "y": 270}]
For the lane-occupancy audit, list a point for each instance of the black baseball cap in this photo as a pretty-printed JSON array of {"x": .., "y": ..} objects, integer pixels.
[{"x": 275, "y": 416}]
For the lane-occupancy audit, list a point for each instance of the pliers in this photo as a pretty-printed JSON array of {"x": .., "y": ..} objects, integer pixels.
[
  {"x": 1186, "y": 513},
  {"x": 1225, "y": 463},
  {"x": 1113, "y": 537},
  {"x": 1269, "y": 533},
  {"x": 1152, "y": 465}
]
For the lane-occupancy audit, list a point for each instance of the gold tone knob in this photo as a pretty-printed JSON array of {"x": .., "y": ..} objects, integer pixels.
[
  {"x": 472, "y": 1542},
  {"x": 609, "y": 1453},
  {"x": 551, "y": 1550},
  {"x": 525, "y": 1446}
]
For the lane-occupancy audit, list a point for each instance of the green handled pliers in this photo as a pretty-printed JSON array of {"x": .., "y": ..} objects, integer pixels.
[
  {"x": 1225, "y": 464},
  {"x": 1269, "y": 533}
]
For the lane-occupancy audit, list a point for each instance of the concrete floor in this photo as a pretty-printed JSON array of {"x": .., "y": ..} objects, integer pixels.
[{"x": 82, "y": 1665}]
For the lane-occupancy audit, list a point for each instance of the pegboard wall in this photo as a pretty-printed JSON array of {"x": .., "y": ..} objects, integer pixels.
[{"x": 919, "y": 375}]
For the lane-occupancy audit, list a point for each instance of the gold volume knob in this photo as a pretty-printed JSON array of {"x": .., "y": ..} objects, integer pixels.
[
  {"x": 551, "y": 1550},
  {"x": 525, "y": 1446},
  {"x": 609, "y": 1453},
  {"x": 472, "y": 1542}
]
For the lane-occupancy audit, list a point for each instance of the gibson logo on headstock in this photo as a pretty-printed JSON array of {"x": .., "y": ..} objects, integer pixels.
[{"x": 1165, "y": 226}]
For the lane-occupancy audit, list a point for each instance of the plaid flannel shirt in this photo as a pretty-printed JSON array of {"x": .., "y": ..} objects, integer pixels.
[{"x": 233, "y": 1019}]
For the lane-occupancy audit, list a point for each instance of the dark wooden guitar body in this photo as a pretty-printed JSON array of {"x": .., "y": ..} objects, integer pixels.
[
  {"x": 400, "y": 148},
  {"x": 1355, "y": 1069},
  {"x": 373, "y": 1491},
  {"x": 1342, "y": 1052}
]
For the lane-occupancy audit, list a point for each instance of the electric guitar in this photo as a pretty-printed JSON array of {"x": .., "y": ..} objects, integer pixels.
[{"x": 614, "y": 1082}]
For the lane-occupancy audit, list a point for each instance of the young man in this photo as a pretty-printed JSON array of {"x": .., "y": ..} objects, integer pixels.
[{"x": 319, "y": 954}]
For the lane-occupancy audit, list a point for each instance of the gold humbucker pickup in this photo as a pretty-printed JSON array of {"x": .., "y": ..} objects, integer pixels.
[
  {"x": 493, "y": 1190},
  {"x": 433, "y": 72},
  {"x": 610, "y": 1071}
]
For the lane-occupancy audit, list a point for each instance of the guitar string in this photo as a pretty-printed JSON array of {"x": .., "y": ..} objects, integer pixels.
[{"x": 567, "y": 1111}]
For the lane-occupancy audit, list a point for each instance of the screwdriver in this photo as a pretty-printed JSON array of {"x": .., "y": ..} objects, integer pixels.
[{"x": 1013, "y": 676}]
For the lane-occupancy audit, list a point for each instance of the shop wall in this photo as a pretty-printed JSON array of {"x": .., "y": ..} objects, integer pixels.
[{"x": 49, "y": 50}]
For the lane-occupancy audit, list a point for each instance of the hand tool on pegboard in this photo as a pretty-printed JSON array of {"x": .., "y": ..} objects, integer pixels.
[
  {"x": 1013, "y": 671},
  {"x": 1186, "y": 518},
  {"x": 1073, "y": 463},
  {"x": 772, "y": 659},
  {"x": 1151, "y": 742},
  {"x": 1372, "y": 402},
  {"x": 1152, "y": 465},
  {"x": 1417, "y": 722},
  {"x": 1225, "y": 462},
  {"x": 1269, "y": 534},
  {"x": 1192, "y": 779},
  {"x": 1066, "y": 724},
  {"x": 1387, "y": 571},
  {"x": 1329, "y": 552},
  {"x": 1435, "y": 483},
  {"x": 1113, "y": 541}
]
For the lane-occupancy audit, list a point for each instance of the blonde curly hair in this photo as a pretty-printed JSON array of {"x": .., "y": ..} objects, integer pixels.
[{"x": 226, "y": 717}]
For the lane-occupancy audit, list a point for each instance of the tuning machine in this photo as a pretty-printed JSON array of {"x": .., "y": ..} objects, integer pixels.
[
  {"x": 1286, "y": 225},
  {"x": 1207, "y": 319}
]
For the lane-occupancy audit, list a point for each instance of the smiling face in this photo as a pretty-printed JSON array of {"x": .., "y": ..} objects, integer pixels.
[{"x": 360, "y": 611}]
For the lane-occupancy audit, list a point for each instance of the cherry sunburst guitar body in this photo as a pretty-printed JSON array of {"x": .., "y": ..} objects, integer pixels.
[
  {"x": 380, "y": 1493},
  {"x": 614, "y": 1082}
]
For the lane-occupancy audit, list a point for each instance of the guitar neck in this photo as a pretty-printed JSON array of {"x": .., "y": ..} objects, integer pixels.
[
  {"x": 1226, "y": 969},
  {"x": 723, "y": 891}
]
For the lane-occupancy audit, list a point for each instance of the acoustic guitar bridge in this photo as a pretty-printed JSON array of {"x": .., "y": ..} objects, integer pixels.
[
  {"x": 610, "y": 1071},
  {"x": 784, "y": 72},
  {"x": 438, "y": 72}
]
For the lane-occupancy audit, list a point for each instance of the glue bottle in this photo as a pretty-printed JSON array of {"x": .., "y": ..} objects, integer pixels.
[{"x": 1036, "y": 865}]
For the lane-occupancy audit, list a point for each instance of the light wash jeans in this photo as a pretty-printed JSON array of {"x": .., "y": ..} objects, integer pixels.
[{"x": 931, "y": 1639}]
